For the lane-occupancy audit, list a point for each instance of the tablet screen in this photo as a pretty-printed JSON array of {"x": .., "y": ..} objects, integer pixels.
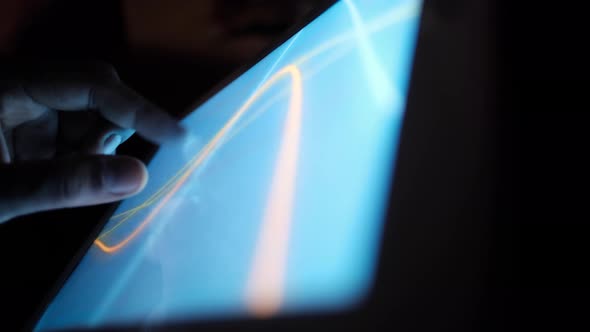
[{"x": 276, "y": 202}]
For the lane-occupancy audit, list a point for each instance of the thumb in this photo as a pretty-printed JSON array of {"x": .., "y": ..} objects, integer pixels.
[{"x": 46, "y": 185}]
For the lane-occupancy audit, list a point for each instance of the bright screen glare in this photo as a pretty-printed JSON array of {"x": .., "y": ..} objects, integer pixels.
[{"x": 276, "y": 202}]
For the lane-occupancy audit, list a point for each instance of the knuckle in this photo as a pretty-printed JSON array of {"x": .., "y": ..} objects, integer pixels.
[
  {"x": 69, "y": 182},
  {"x": 77, "y": 180}
]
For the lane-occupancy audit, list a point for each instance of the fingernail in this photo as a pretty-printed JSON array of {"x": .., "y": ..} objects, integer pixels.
[
  {"x": 124, "y": 176},
  {"x": 112, "y": 143}
]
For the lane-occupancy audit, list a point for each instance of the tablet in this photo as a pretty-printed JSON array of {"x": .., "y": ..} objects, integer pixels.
[{"x": 275, "y": 203}]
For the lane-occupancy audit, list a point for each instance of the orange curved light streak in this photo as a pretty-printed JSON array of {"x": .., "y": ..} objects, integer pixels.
[
  {"x": 287, "y": 145},
  {"x": 398, "y": 14},
  {"x": 264, "y": 290}
]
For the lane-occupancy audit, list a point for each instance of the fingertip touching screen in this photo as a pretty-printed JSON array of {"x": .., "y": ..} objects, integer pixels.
[{"x": 276, "y": 202}]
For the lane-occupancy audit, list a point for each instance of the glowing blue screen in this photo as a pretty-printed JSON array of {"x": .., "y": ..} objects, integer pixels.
[{"x": 276, "y": 202}]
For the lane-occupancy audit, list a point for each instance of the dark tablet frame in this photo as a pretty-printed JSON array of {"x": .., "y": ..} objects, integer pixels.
[{"x": 442, "y": 154}]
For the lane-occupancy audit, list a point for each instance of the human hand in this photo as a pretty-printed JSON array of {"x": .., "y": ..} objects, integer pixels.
[{"x": 58, "y": 134}]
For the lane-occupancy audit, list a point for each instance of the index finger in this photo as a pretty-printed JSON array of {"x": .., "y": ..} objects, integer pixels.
[{"x": 114, "y": 100}]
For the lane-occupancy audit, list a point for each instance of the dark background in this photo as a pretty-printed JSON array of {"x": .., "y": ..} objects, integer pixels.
[{"x": 513, "y": 259}]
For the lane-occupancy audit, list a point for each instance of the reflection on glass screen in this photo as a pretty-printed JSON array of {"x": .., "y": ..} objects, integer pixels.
[{"x": 276, "y": 202}]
